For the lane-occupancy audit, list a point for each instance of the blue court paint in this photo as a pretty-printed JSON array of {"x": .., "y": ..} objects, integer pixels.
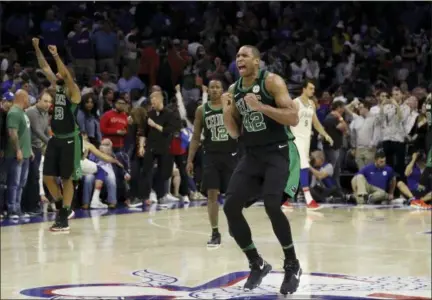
[{"x": 325, "y": 286}]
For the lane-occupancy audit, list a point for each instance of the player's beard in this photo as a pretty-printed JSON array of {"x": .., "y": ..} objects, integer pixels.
[{"x": 60, "y": 82}]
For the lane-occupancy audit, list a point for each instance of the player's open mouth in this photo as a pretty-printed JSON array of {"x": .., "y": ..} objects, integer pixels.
[{"x": 241, "y": 67}]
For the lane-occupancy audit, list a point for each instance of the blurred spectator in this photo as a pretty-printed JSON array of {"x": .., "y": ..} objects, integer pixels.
[
  {"x": 106, "y": 101},
  {"x": 81, "y": 51},
  {"x": 88, "y": 120},
  {"x": 114, "y": 124},
  {"x": 336, "y": 127},
  {"x": 162, "y": 123},
  {"x": 107, "y": 82},
  {"x": 18, "y": 153},
  {"x": 129, "y": 82},
  {"x": 391, "y": 119},
  {"x": 107, "y": 48},
  {"x": 365, "y": 135},
  {"x": 6, "y": 104},
  {"x": 52, "y": 32},
  {"x": 39, "y": 124},
  {"x": 105, "y": 176},
  {"x": 323, "y": 185}
]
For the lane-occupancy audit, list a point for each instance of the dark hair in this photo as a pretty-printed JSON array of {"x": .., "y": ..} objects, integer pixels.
[
  {"x": 83, "y": 102},
  {"x": 380, "y": 154},
  {"x": 367, "y": 105},
  {"x": 256, "y": 53},
  {"x": 306, "y": 83},
  {"x": 337, "y": 104},
  {"x": 106, "y": 90}
]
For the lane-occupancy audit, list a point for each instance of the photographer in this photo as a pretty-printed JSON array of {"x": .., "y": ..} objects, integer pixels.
[{"x": 323, "y": 185}]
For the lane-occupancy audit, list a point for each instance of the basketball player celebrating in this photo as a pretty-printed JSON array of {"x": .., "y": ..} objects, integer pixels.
[
  {"x": 220, "y": 154},
  {"x": 303, "y": 133},
  {"x": 64, "y": 149},
  {"x": 259, "y": 111}
]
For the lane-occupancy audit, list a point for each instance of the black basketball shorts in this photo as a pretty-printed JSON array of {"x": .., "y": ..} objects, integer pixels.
[
  {"x": 217, "y": 170},
  {"x": 63, "y": 158}
]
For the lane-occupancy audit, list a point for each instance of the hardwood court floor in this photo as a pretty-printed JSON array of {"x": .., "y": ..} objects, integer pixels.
[{"x": 382, "y": 252}]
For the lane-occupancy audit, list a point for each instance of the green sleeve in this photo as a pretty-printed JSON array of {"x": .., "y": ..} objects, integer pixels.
[{"x": 13, "y": 120}]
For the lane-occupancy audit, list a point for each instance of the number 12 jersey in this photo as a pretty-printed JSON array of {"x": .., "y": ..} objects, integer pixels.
[{"x": 216, "y": 137}]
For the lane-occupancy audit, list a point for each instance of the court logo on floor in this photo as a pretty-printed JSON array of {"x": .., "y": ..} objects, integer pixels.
[{"x": 230, "y": 286}]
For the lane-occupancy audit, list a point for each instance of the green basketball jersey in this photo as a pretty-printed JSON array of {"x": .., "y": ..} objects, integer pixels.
[
  {"x": 63, "y": 120},
  {"x": 216, "y": 137},
  {"x": 257, "y": 128}
]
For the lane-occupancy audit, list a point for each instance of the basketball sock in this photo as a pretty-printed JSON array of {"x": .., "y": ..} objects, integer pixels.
[
  {"x": 251, "y": 253},
  {"x": 96, "y": 195},
  {"x": 215, "y": 230},
  {"x": 307, "y": 194},
  {"x": 289, "y": 252}
]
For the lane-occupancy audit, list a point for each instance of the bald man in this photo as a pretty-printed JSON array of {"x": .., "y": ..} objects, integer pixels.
[
  {"x": 162, "y": 124},
  {"x": 18, "y": 152}
]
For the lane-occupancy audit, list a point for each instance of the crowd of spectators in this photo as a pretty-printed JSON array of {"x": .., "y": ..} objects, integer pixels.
[{"x": 371, "y": 63}]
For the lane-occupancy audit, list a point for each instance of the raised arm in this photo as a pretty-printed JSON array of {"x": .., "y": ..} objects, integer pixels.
[
  {"x": 286, "y": 112},
  {"x": 43, "y": 64},
  {"x": 181, "y": 106},
  {"x": 73, "y": 89},
  {"x": 231, "y": 115}
]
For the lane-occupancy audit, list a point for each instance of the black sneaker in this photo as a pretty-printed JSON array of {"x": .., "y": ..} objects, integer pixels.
[
  {"x": 259, "y": 269},
  {"x": 61, "y": 222},
  {"x": 215, "y": 241},
  {"x": 292, "y": 277}
]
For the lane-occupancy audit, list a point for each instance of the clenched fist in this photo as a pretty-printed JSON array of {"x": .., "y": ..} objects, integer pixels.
[
  {"x": 35, "y": 42},
  {"x": 52, "y": 49}
]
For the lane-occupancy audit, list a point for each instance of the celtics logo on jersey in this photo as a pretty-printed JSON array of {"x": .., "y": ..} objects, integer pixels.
[
  {"x": 215, "y": 125},
  {"x": 253, "y": 121}
]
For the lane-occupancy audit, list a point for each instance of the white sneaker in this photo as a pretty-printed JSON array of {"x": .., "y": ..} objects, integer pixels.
[
  {"x": 153, "y": 197},
  {"x": 185, "y": 199},
  {"x": 171, "y": 197},
  {"x": 162, "y": 203},
  {"x": 98, "y": 205}
]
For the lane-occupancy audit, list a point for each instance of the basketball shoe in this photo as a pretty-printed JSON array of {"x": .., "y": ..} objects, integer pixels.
[
  {"x": 292, "y": 277},
  {"x": 259, "y": 269}
]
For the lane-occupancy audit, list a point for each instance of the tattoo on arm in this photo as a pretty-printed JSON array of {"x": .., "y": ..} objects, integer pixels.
[{"x": 43, "y": 64}]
